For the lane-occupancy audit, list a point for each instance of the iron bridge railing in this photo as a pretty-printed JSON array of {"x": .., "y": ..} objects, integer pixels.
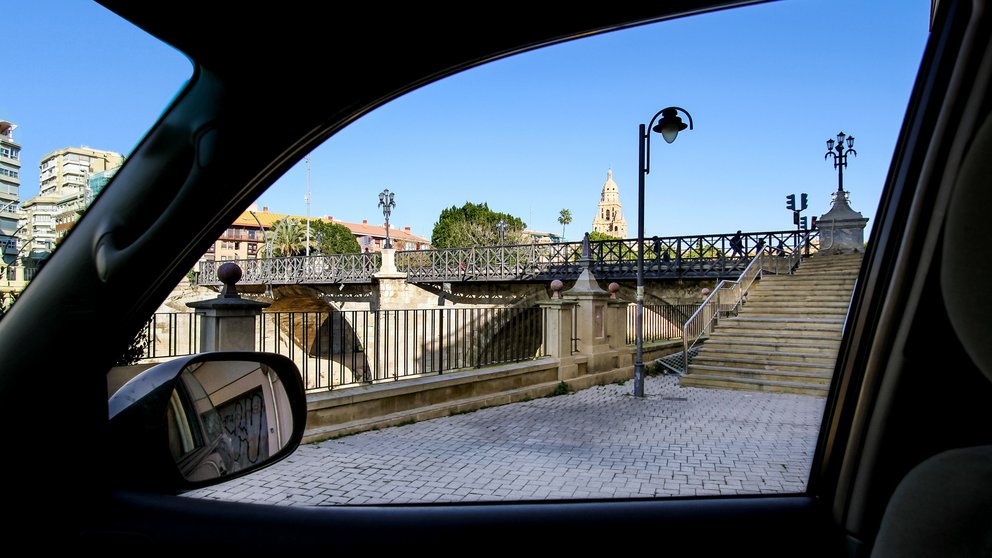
[
  {"x": 331, "y": 268},
  {"x": 698, "y": 256},
  {"x": 680, "y": 256}
]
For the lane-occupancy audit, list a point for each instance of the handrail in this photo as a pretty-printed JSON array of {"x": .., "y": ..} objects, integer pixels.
[{"x": 737, "y": 289}]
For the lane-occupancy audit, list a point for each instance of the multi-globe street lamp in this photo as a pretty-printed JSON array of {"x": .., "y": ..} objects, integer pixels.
[
  {"x": 669, "y": 127},
  {"x": 387, "y": 204},
  {"x": 840, "y": 157},
  {"x": 501, "y": 227}
]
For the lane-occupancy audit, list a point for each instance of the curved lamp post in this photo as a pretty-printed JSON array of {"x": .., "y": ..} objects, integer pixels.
[
  {"x": 669, "y": 127},
  {"x": 387, "y": 204},
  {"x": 840, "y": 157}
]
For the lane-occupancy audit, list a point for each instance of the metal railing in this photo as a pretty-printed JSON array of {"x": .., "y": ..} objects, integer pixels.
[
  {"x": 725, "y": 299},
  {"x": 331, "y": 268},
  {"x": 489, "y": 263},
  {"x": 708, "y": 255},
  {"x": 334, "y": 349},
  {"x": 340, "y": 348},
  {"x": 172, "y": 334},
  {"x": 662, "y": 322}
]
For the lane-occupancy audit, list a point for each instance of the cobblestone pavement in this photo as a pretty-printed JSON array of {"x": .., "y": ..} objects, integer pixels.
[{"x": 596, "y": 443}]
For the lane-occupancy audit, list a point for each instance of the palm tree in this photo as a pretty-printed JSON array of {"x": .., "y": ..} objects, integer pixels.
[
  {"x": 287, "y": 237},
  {"x": 564, "y": 217}
]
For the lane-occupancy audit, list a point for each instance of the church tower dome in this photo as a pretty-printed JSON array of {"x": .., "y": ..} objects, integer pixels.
[{"x": 609, "y": 216}]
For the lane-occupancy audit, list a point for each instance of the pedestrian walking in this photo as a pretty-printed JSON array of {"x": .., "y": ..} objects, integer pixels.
[{"x": 735, "y": 245}]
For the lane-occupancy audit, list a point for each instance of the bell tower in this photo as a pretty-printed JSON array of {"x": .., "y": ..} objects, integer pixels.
[{"x": 609, "y": 217}]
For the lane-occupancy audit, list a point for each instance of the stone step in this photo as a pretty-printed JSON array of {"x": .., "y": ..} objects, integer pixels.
[
  {"x": 799, "y": 344},
  {"x": 807, "y": 282},
  {"x": 787, "y": 366},
  {"x": 812, "y": 286},
  {"x": 791, "y": 355},
  {"x": 798, "y": 298},
  {"x": 818, "y": 339},
  {"x": 769, "y": 303},
  {"x": 792, "y": 294},
  {"x": 799, "y": 388},
  {"x": 819, "y": 378},
  {"x": 795, "y": 313},
  {"x": 832, "y": 325}
]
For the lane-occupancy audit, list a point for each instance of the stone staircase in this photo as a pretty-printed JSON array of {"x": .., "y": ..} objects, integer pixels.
[{"x": 786, "y": 336}]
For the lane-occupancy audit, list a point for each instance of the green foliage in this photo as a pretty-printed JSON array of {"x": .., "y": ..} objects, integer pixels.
[
  {"x": 288, "y": 237},
  {"x": 564, "y": 218},
  {"x": 474, "y": 225},
  {"x": 7, "y": 300},
  {"x": 332, "y": 238},
  {"x": 561, "y": 389},
  {"x": 136, "y": 350},
  {"x": 596, "y": 235}
]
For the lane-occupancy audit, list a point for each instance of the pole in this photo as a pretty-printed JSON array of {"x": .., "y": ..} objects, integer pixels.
[
  {"x": 639, "y": 316},
  {"x": 308, "y": 205},
  {"x": 840, "y": 172}
]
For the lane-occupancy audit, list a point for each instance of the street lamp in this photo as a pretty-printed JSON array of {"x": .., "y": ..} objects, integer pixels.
[
  {"x": 502, "y": 227},
  {"x": 669, "y": 127},
  {"x": 387, "y": 204},
  {"x": 840, "y": 157}
]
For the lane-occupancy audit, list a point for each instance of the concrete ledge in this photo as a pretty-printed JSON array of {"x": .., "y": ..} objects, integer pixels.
[{"x": 331, "y": 411}]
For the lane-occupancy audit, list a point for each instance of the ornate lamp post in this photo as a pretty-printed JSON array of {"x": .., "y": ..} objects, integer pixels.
[
  {"x": 387, "y": 204},
  {"x": 839, "y": 153},
  {"x": 669, "y": 127},
  {"x": 501, "y": 228}
]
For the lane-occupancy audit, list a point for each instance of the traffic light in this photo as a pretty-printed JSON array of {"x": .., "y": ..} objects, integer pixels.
[
  {"x": 803, "y": 202},
  {"x": 813, "y": 223},
  {"x": 790, "y": 202},
  {"x": 803, "y": 221},
  {"x": 795, "y": 217}
]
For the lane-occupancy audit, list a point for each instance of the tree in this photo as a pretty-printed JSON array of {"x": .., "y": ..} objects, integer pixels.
[
  {"x": 332, "y": 238},
  {"x": 564, "y": 218},
  {"x": 596, "y": 235},
  {"x": 474, "y": 225},
  {"x": 288, "y": 237}
]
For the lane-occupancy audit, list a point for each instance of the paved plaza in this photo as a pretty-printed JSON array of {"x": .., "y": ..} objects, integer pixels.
[{"x": 596, "y": 443}]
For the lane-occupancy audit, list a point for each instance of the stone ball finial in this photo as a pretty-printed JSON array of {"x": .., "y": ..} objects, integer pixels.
[
  {"x": 229, "y": 274},
  {"x": 556, "y": 287},
  {"x": 614, "y": 288}
]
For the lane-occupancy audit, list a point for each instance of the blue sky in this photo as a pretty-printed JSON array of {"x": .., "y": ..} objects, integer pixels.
[{"x": 766, "y": 85}]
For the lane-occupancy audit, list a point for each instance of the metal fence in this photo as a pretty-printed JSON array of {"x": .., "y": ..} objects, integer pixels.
[
  {"x": 172, "y": 334},
  {"x": 331, "y": 268},
  {"x": 334, "y": 349},
  {"x": 662, "y": 322},
  {"x": 707, "y": 255}
]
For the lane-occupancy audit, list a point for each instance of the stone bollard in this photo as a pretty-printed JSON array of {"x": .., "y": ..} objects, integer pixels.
[
  {"x": 842, "y": 229},
  {"x": 227, "y": 323}
]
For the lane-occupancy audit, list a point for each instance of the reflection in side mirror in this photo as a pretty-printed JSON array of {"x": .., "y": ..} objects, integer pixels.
[
  {"x": 226, "y": 417},
  {"x": 203, "y": 419}
]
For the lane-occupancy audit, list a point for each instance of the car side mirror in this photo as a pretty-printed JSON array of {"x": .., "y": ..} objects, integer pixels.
[{"x": 204, "y": 419}]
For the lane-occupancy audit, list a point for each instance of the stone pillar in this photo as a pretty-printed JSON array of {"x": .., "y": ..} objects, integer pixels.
[
  {"x": 616, "y": 323},
  {"x": 593, "y": 322},
  {"x": 227, "y": 323},
  {"x": 559, "y": 320},
  {"x": 558, "y": 335},
  {"x": 841, "y": 229},
  {"x": 391, "y": 288}
]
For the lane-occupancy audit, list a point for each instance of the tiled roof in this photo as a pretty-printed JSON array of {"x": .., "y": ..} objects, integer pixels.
[{"x": 268, "y": 219}]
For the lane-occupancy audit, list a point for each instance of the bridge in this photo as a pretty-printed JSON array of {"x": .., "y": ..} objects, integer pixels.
[{"x": 679, "y": 257}]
